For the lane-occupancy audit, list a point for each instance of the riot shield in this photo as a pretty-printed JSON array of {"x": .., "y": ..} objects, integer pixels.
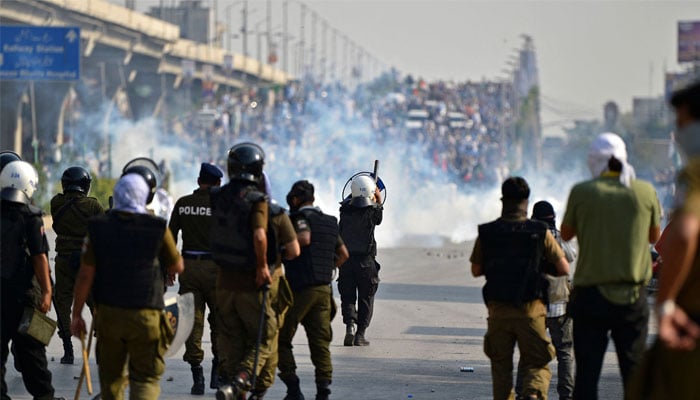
[{"x": 179, "y": 310}]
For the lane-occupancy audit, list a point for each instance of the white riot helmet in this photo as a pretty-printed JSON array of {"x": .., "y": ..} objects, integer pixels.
[
  {"x": 362, "y": 190},
  {"x": 18, "y": 181}
]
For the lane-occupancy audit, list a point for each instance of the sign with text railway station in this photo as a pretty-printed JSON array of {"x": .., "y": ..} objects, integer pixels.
[{"x": 39, "y": 53}]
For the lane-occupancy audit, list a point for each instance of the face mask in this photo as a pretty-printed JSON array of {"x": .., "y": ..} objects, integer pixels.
[{"x": 688, "y": 140}]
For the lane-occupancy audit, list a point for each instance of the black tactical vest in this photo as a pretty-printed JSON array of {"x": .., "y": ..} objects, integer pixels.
[
  {"x": 315, "y": 264},
  {"x": 231, "y": 235},
  {"x": 357, "y": 229},
  {"x": 512, "y": 251},
  {"x": 126, "y": 247},
  {"x": 15, "y": 263}
]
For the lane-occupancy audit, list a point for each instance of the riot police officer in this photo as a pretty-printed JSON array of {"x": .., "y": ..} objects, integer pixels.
[
  {"x": 280, "y": 228},
  {"x": 359, "y": 276},
  {"x": 128, "y": 256},
  {"x": 508, "y": 252},
  {"x": 310, "y": 275},
  {"x": 192, "y": 215},
  {"x": 242, "y": 246},
  {"x": 70, "y": 211},
  {"x": 24, "y": 256}
]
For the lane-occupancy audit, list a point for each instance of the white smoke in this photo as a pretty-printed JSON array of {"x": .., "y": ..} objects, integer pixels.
[{"x": 423, "y": 208}]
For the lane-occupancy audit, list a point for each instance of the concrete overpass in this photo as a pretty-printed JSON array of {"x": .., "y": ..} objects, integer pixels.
[{"x": 124, "y": 53}]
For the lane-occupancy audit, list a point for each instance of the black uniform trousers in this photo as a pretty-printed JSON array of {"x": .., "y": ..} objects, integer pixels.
[
  {"x": 30, "y": 354},
  {"x": 358, "y": 281},
  {"x": 594, "y": 319}
]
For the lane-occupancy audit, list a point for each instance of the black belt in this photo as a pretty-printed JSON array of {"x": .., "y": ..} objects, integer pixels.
[{"x": 197, "y": 256}]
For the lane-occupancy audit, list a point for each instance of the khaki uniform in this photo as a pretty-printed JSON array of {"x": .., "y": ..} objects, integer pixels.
[
  {"x": 191, "y": 215},
  {"x": 664, "y": 373},
  {"x": 70, "y": 212},
  {"x": 313, "y": 308},
  {"x": 525, "y": 325},
  {"x": 239, "y": 307},
  {"x": 132, "y": 340}
]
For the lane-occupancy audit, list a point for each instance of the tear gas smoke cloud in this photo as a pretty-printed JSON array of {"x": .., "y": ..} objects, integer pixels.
[{"x": 424, "y": 208}]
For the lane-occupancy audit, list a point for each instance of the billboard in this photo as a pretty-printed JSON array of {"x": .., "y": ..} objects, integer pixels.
[{"x": 689, "y": 41}]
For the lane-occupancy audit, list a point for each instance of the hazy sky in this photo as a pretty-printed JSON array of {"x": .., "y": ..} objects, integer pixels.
[{"x": 588, "y": 52}]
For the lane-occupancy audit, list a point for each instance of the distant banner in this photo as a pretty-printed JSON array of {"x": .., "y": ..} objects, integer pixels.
[{"x": 689, "y": 41}]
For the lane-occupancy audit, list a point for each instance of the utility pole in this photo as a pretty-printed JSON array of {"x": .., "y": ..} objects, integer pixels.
[
  {"x": 314, "y": 21},
  {"x": 285, "y": 39},
  {"x": 302, "y": 39},
  {"x": 324, "y": 48},
  {"x": 268, "y": 26},
  {"x": 346, "y": 46},
  {"x": 244, "y": 28},
  {"x": 335, "y": 54}
]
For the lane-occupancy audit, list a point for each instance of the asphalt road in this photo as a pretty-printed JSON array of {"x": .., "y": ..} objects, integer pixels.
[{"x": 429, "y": 321}]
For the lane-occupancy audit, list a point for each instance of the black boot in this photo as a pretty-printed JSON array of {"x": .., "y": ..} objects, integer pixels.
[
  {"x": 349, "y": 334},
  {"x": 322, "y": 390},
  {"x": 360, "y": 338},
  {"x": 68, "y": 357},
  {"x": 293, "y": 389},
  {"x": 198, "y": 379},
  {"x": 215, "y": 379}
]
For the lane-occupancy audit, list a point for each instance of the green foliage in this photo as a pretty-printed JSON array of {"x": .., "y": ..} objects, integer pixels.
[{"x": 101, "y": 189}]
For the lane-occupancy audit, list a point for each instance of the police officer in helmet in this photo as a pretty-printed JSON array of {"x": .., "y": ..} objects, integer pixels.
[
  {"x": 359, "y": 275},
  {"x": 70, "y": 211},
  {"x": 280, "y": 230},
  {"x": 7, "y": 156},
  {"x": 243, "y": 248},
  {"x": 23, "y": 257},
  {"x": 192, "y": 216},
  {"x": 148, "y": 175},
  {"x": 310, "y": 275},
  {"x": 508, "y": 252}
]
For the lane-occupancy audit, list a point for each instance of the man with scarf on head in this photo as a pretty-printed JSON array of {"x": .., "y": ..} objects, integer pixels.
[
  {"x": 615, "y": 217},
  {"x": 670, "y": 368},
  {"x": 508, "y": 252},
  {"x": 558, "y": 321},
  {"x": 128, "y": 256}
]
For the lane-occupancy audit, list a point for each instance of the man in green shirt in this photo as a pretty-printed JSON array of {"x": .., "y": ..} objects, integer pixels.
[{"x": 615, "y": 218}]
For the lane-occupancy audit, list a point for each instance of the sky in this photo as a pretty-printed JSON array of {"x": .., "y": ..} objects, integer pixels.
[{"x": 588, "y": 52}]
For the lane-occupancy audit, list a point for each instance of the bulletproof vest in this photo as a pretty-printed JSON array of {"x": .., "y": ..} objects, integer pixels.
[
  {"x": 546, "y": 266},
  {"x": 357, "y": 229},
  {"x": 274, "y": 254},
  {"x": 126, "y": 248},
  {"x": 15, "y": 267},
  {"x": 512, "y": 251},
  {"x": 315, "y": 264},
  {"x": 231, "y": 233},
  {"x": 70, "y": 222}
]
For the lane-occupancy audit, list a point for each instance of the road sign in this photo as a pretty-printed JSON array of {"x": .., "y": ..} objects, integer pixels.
[{"x": 39, "y": 53}]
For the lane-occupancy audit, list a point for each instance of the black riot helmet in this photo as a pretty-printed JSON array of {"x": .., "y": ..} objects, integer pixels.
[
  {"x": 76, "y": 179},
  {"x": 245, "y": 162},
  {"x": 7, "y": 156},
  {"x": 148, "y": 175}
]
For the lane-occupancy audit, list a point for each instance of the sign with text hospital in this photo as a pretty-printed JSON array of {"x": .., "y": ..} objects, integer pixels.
[
  {"x": 39, "y": 53},
  {"x": 689, "y": 41}
]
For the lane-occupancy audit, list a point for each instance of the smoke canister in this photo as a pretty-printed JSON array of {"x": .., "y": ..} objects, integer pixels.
[{"x": 466, "y": 369}]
